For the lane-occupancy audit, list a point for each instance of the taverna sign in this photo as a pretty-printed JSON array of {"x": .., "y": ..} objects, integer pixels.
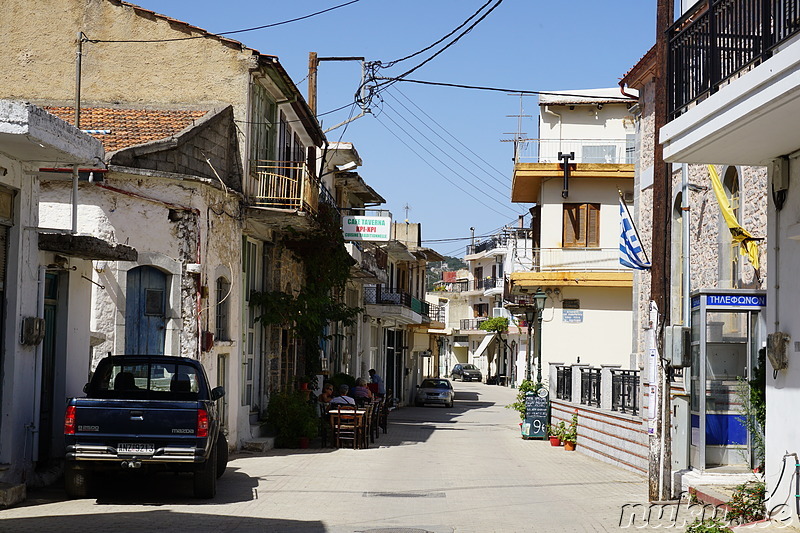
[{"x": 366, "y": 228}]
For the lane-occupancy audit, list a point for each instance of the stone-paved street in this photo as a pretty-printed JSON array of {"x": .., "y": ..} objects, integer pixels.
[{"x": 464, "y": 469}]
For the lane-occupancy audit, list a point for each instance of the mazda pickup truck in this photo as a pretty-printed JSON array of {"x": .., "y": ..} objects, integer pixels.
[{"x": 155, "y": 413}]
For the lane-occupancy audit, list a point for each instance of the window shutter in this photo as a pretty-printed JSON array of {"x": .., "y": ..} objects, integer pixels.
[
  {"x": 572, "y": 225},
  {"x": 593, "y": 225}
]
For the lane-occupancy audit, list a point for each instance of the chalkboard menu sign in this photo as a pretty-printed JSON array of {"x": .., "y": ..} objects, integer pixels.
[{"x": 537, "y": 412}]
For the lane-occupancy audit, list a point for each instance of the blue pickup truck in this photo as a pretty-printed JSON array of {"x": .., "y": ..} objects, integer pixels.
[{"x": 145, "y": 412}]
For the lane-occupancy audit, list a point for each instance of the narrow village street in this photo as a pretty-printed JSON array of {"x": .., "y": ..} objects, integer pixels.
[{"x": 464, "y": 469}]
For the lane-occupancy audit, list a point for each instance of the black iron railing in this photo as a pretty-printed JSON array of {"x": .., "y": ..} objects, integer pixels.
[
  {"x": 625, "y": 391},
  {"x": 487, "y": 283},
  {"x": 379, "y": 294},
  {"x": 590, "y": 386},
  {"x": 564, "y": 383},
  {"x": 719, "y": 39},
  {"x": 436, "y": 313}
]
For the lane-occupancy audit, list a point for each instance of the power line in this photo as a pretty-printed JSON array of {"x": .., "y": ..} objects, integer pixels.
[
  {"x": 393, "y": 63},
  {"x": 431, "y": 166},
  {"x": 448, "y": 45},
  {"x": 225, "y": 32},
  {"x": 431, "y": 143},
  {"x": 496, "y": 89},
  {"x": 491, "y": 175}
]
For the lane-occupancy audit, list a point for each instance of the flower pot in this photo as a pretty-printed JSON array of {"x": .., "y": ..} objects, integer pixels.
[
  {"x": 302, "y": 442},
  {"x": 304, "y": 386},
  {"x": 555, "y": 441},
  {"x": 569, "y": 446}
]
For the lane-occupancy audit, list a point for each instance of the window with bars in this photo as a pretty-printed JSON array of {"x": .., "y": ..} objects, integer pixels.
[
  {"x": 581, "y": 225},
  {"x": 223, "y": 298}
]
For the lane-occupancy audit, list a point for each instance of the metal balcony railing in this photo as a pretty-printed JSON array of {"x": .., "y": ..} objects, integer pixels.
[
  {"x": 590, "y": 386},
  {"x": 472, "y": 323},
  {"x": 486, "y": 284},
  {"x": 576, "y": 260},
  {"x": 420, "y": 307},
  {"x": 625, "y": 391},
  {"x": 718, "y": 40},
  {"x": 451, "y": 286},
  {"x": 283, "y": 185},
  {"x": 614, "y": 151},
  {"x": 381, "y": 295},
  {"x": 564, "y": 383},
  {"x": 437, "y": 313}
]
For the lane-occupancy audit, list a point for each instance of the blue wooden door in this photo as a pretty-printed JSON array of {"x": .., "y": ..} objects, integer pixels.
[{"x": 145, "y": 311}]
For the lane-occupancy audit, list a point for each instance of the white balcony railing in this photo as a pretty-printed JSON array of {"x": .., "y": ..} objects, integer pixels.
[
  {"x": 283, "y": 185},
  {"x": 607, "y": 151},
  {"x": 576, "y": 260}
]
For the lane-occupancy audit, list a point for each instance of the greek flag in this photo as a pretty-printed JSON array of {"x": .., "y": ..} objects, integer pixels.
[{"x": 631, "y": 253}]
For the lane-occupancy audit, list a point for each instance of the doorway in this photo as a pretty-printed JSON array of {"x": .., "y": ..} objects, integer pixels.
[{"x": 145, "y": 311}]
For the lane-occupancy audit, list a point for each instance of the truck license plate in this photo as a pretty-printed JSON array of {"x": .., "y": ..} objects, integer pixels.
[{"x": 135, "y": 448}]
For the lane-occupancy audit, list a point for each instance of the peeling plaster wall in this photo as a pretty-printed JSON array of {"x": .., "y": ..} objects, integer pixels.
[{"x": 187, "y": 236}]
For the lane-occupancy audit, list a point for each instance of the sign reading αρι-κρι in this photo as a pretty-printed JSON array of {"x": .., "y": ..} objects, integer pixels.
[{"x": 359, "y": 228}]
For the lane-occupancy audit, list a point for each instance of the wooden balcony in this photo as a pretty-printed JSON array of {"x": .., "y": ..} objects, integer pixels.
[{"x": 282, "y": 190}]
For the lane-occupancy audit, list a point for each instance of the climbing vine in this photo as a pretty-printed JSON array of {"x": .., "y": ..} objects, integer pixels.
[{"x": 319, "y": 302}]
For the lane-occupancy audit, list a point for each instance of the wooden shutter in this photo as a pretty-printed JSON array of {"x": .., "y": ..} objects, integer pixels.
[
  {"x": 573, "y": 225},
  {"x": 593, "y": 225}
]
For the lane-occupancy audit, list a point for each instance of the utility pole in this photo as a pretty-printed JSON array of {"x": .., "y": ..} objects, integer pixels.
[
  {"x": 313, "y": 66},
  {"x": 660, "y": 441}
]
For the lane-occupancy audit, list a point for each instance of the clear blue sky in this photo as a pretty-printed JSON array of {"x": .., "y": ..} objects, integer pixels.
[{"x": 435, "y": 149}]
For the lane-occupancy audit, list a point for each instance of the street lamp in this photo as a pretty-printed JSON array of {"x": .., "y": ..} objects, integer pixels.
[
  {"x": 530, "y": 314},
  {"x": 539, "y": 298}
]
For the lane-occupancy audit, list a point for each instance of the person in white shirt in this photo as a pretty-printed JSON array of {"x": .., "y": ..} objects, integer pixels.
[{"x": 343, "y": 398}]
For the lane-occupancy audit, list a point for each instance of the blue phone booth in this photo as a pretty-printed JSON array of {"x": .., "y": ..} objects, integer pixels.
[{"x": 728, "y": 329}]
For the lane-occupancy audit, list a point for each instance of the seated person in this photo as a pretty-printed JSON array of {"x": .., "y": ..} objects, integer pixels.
[
  {"x": 327, "y": 394},
  {"x": 361, "y": 390},
  {"x": 342, "y": 398}
]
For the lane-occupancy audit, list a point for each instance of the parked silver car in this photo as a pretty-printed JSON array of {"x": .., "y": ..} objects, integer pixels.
[{"x": 435, "y": 390}]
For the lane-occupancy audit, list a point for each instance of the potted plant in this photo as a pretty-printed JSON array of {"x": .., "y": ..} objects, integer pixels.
[
  {"x": 293, "y": 418},
  {"x": 570, "y": 434},
  {"x": 554, "y": 433}
]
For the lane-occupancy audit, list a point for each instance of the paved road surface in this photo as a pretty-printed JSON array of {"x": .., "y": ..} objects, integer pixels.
[{"x": 439, "y": 470}]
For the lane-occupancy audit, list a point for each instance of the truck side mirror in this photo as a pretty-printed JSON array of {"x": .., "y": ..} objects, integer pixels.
[{"x": 217, "y": 393}]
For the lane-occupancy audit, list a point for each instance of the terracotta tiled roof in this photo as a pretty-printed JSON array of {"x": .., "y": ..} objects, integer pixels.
[{"x": 129, "y": 126}]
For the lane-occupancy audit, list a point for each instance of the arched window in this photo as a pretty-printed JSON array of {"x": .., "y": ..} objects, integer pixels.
[
  {"x": 728, "y": 251},
  {"x": 222, "y": 331}
]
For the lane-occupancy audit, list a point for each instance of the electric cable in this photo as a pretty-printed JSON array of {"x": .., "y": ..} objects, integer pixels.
[
  {"x": 456, "y": 161},
  {"x": 448, "y": 45},
  {"x": 498, "y": 89},
  {"x": 451, "y": 145},
  {"x": 393, "y": 63},
  {"x": 435, "y": 169},
  {"x": 489, "y": 165},
  {"x": 206, "y": 34}
]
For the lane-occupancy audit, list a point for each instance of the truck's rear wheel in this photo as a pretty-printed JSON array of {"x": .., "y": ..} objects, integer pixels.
[
  {"x": 205, "y": 477},
  {"x": 76, "y": 481},
  {"x": 222, "y": 454}
]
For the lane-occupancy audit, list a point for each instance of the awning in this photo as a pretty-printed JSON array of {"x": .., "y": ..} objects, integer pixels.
[
  {"x": 487, "y": 342},
  {"x": 86, "y": 247}
]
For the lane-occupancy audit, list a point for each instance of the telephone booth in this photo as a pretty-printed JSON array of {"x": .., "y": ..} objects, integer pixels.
[{"x": 727, "y": 330}]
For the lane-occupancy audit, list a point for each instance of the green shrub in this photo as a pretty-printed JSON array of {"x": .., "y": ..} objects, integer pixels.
[
  {"x": 292, "y": 416},
  {"x": 709, "y": 525},
  {"x": 747, "y": 503},
  {"x": 519, "y": 406}
]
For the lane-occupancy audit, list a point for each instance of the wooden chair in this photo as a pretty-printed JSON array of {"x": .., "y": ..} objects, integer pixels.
[
  {"x": 345, "y": 425},
  {"x": 374, "y": 419},
  {"x": 383, "y": 420}
]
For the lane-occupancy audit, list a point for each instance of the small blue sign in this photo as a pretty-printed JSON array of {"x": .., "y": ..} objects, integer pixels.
[
  {"x": 572, "y": 316},
  {"x": 695, "y": 301},
  {"x": 736, "y": 300}
]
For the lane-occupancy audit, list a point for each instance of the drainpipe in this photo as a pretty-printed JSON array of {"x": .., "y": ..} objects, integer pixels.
[
  {"x": 37, "y": 369},
  {"x": 685, "y": 221},
  {"x": 560, "y": 123}
]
